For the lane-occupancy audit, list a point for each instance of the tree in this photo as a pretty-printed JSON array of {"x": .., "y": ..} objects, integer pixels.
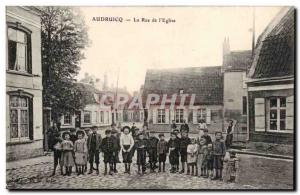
[{"x": 64, "y": 37}]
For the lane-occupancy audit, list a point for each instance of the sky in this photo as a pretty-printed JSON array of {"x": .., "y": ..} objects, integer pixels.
[{"x": 193, "y": 40}]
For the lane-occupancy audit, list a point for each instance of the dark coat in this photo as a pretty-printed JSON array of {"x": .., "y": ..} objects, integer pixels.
[
  {"x": 95, "y": 147},
  {"x": 162, "y": 147},
  {"x": 183, "y": 143},
  {"x": 207, "y": 139},
  {"x": 53, "y": 135},
  {"x": 108, "y": 145},
  {"x": 152, "y": 143}
]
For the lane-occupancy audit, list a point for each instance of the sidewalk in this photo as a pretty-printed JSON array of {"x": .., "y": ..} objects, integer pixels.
[{"x": 29, "y": 162}]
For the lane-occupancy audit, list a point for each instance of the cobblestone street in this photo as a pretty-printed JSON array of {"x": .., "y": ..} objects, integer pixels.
[{"x": 37, "y": 176}]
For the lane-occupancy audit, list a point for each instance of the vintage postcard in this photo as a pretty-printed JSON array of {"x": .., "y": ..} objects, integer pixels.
[{"x": 150, "y": 98}]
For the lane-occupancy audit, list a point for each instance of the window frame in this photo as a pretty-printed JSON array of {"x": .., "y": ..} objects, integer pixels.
[
  {"x": 180, "y": 116},
  {"x": 28, "y": 55},
  {"x": 200, "y": 110},
  {"x": 161, "y": 116},
  {"x": 90, "y": 120},
  {"x": 70, "y": 119},
  {"x": 29, "y": 98},
  {"x": 278, "y": 108}
]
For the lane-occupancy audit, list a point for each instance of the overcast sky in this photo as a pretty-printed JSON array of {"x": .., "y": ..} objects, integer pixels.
[{"x": 194, "y": 40}]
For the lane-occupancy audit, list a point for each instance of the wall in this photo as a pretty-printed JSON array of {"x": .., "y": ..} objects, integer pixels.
[
  {"x": 234, "y": 90},
  {"x": 30, "y": 83},
  {"x": 216, "y": 123},
  {"x": 265, "y": 136}
]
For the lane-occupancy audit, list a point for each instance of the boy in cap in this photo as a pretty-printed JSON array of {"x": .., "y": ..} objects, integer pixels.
[
  {"x": 93, "y": 144},
  {"x": 152, "y": 150},
  {"x": 108, "y": 149},
  {"x": 173, "y": 145},
  {"x": 117, "y": 148},
  {"x": 162, "y": 151},
  {"x": 219, "y": 150},
  {"x": 183, "y": 144},
  {"x": 141, "y": 147}
]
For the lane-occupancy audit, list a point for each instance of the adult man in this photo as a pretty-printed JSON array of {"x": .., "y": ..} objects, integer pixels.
[
  {"x": 93, "y": 144},
  {"x": 184, "y": 127},
  {"x": 52, "y": 131},
  {"x": 55, "y": 145}
]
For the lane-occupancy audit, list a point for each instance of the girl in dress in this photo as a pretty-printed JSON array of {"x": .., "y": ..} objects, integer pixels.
[
  {"x": 67, "y": 153},
  {"x": 80, "y": 149},
  {"x": 192, "y": 151}
]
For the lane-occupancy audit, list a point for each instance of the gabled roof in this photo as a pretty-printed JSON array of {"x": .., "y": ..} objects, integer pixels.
[
  {"x": 205, "y": 82},
  {"x": 88, "y": 91},
  {"x": 237, "y": 60},
  {"x": 274, "y": 52}
]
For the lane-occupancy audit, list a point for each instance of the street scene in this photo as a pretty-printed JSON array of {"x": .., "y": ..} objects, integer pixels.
[{"x": 150, "y": 98}]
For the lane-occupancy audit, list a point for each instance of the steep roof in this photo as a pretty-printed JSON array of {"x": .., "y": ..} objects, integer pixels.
[
  {"x": 205, "y": 82},
  {"x": 237, "y": 60},
  {"x": 88, "y": 91},
  {"x": 274, "y": 53}
]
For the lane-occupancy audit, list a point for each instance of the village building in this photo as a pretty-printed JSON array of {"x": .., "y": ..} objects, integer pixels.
[
  {"x": 271, "y": 83},
  {"x": 93, "y": 114},
  {"x": 24, "y": 116},
  {"x": 235, "y": 67},
  {"x": 205, "y": 82}
]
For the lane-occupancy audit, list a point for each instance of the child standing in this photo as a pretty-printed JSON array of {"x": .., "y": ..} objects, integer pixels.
[
  {"x": 219, "y": 150},
  {"x": 127, "y": 143},
  {"x": 202, "y": 151},
  {"x": 117, "y": 149},
  {"x": 192, "y": 151},
  {"x": 173, "y": 145},
  {"x": 210, "y": 161},
  {"x": 108, "y": 149},
  {"x": 162, "y": 150},
  {"x": 80, "y": 149},
  {"x": 230, "y": 167},
  {"x": 67, "y": 153},
  {"x": 152, "y": 150},
  {"x": 206, "y": 136},
  {"x": 183, "y": 144},
  {"x": 141, "y": 147}
]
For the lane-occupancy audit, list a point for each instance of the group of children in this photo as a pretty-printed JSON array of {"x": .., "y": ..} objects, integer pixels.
[{"x": 200, "y": 156}]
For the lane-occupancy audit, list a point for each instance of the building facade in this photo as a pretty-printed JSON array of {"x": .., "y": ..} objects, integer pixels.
[
  {"x": 24, "y": 116},
  {"x": 271, "y": 84},
  {"x": 93, "y": 113},
  {"x": 235, "y": 67},
  {"x": 205, "y": 83}
]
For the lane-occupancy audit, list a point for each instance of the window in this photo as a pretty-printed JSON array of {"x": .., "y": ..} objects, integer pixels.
[
  {"x": 19, "y": 117},
  {"x": 244, "y": 105},
  {"x": 87, "y": 117},
  {"x": 161, "y": 116},
  {"x": 277, "y": 114},
  {"x": 67, "y": 119},
  {"x": 179, "y": 115},
  {"x": 97, "y": 117},
  {"x": 18, "y": 49},
  {"x": 142, "y": 116},
  {"x": 201, "y": 115},
  {"x": 101, "y": 117}
]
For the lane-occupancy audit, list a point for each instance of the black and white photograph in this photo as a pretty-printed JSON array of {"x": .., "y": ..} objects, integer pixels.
[{"x": 150, "y": 97}]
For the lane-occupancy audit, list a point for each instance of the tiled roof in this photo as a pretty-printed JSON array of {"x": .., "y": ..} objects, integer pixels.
[
  {"x": 88, "y": 92},
  {"x": 275, "y": 56},
  {"x": 237, "y": 61},
  {"x": 205, "y": 82}
]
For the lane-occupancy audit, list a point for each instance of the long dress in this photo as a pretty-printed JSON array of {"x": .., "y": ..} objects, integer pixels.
[
  {"x": 80, "y": 149},
  {"x": 67, "y": 157}
]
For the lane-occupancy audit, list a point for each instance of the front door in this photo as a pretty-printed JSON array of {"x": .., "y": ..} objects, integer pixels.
[{"x": 78, "y": 119}]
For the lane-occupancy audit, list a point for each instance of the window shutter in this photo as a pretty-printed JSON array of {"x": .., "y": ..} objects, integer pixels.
[
  {"x": 195, "y": 121},
  {"x": 185, "y": 115},
  {"x": 172, "y": 116},
  {"x": 260, "y": 123},
  {"x": 154, "y": 115},
  {"x": 30, "y": 109},
  {"x": 167, "y": 116},
  {"x": 290, "y": 113},
  {"x": 208, "y": 115}
]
